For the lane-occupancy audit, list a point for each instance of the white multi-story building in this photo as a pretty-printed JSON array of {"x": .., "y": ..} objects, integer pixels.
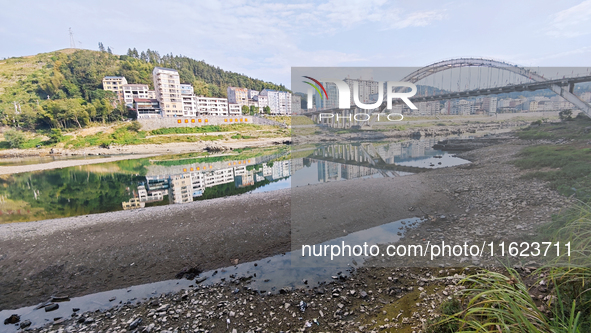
[
  {"x": 238, "y": 95},
  {"x": 131, "y": 91},
  {"x": 252, "y": 93},
  {"x": 189, "y": 100},
  {"x": 211, "y": 106},
  {"x": 504, "y": 103},
  {"x": 366, "y": 88},
  {"x": 115, "y": 84},
  {"x": 489, "y": 104},
  {"x": 144, "y": 196},
  {"x": 168, "y": 91},
  {"x": 586, "y": 96},
  {"x": 218, "y": 177},
  {"x": 197, "y": 183},
  {"x": 281, "y": 169},
  {"x": 147, "y": 108},
  {"x": 234, "y": 109},
  {"x": 278, "y": 101},
  {"x": 262, "y": 100},
  {"x": 462, "y": 107},
  {"x": 428, "y": 108}
]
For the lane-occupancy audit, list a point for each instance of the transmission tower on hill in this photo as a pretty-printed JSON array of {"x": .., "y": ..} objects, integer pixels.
[{"x": 72, "y": 41}]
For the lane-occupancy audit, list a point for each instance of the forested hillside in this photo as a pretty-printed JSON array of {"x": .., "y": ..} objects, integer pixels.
[{"x": 64, "y": 88}]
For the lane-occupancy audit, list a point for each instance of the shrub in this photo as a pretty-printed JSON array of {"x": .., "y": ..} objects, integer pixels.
[
  {"x": 135, "y": 126},
  {"x": 55, "y": 135},
  {"x": 565, "y": 115},
  {"x": 15, "y": 138}
]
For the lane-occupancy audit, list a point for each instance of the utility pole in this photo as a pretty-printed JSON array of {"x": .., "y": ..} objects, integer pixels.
[{"x": 72, "y": 41}]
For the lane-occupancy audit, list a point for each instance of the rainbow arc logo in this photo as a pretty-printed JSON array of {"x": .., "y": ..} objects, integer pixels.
[{"x": 314, "y": 86}]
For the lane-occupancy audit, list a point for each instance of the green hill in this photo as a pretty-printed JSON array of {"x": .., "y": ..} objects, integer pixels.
[{"x": 63, "y": 89}]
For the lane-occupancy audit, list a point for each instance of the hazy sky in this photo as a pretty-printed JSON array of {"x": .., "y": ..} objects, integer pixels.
[{"x": 264, "y": 39}]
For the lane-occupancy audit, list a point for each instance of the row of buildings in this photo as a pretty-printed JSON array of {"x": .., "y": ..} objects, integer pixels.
[
  {"x": 184, "y": 183},
  {"x": 491, "y": 105},
  {"x": 171, "y": 98}
]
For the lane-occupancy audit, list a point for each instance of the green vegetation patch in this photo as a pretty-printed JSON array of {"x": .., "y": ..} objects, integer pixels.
[
  {"x": 570, "y": 167},
  {"x": 206, "y": 129}
]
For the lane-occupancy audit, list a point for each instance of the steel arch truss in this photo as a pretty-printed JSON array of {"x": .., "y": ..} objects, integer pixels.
[{"x": 437, "y": 67}]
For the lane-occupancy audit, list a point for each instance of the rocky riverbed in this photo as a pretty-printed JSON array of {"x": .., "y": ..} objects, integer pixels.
[
  {"x": 485, "y": 200},
  {"x": 367, "y": 300}
]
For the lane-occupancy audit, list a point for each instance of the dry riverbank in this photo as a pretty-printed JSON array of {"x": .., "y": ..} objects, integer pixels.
[
  {"x": 123, "y": 153},
  {"x": 94, "y": 253}
]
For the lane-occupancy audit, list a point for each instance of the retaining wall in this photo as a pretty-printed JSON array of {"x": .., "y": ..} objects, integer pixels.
[{"x": 156, "y": 123}]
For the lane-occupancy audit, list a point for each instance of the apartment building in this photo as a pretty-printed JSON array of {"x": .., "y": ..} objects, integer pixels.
[
  {"x": 211, "y": 106},
  {"x": 252, "y": 93},
  {"x": 218, "y": 177},
  {"x": 262, "y": 100},
  {"x": 132, "y": 91},
  {"x": 168, "y": 91},
  {"x": 238, "y": 95},
  {"x": 144, "y": 196},
  {"x": 278, "y": 101},
  {"x": 115, "y": 84},
  {"x": 181, "y": 189},
  {"x": 365, "y": 89},
  {"x": 198, "y": 183},
  {"x": 189, "y": 100},
  {"x": 533, "y": 106},
  {"x": 489, "y": 104},
  {"x": 146, "y": 108},
  {"x": 133, "y": 203},
  {"x": 234, "y": 109}
]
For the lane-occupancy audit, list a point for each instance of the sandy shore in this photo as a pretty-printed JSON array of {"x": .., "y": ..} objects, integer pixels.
[{"x": 124, "y": 152}]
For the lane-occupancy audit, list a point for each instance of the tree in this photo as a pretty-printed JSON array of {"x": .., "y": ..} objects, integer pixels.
[
  {"x": 245, "y": 110},
  {"x": 267, "y": 109},
  {"x": 109, "y": 50},
  {"x": 200, "y": 88},
  {"x": 101, "y": 47},
  {"x": 565, "y": 115},
  {"x": 253, "y": 110},
  {"x": 14, "y": 138},
  {"x": 56, "y": 135}
]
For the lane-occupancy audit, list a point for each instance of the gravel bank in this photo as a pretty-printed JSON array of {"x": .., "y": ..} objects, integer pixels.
[
  {"x": 485, "y": 199},
  {"x": 126, "y": 152}
]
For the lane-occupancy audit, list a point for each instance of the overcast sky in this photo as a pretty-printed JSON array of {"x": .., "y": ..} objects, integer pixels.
[{"x": 263, "y": 39}]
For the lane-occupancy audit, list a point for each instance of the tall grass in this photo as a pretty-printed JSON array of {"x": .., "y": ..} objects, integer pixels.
[{"x": 495, "y": 302}]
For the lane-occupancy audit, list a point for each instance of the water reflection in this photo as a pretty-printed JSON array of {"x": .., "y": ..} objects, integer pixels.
[
  {"x": 177, "y": 179},
  {"x": 344, "y": 161},
  {"x": 134, "y": 184}
]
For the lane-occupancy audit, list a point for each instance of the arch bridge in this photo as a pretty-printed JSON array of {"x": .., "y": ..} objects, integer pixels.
[{"x": 563, "y": 87}]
